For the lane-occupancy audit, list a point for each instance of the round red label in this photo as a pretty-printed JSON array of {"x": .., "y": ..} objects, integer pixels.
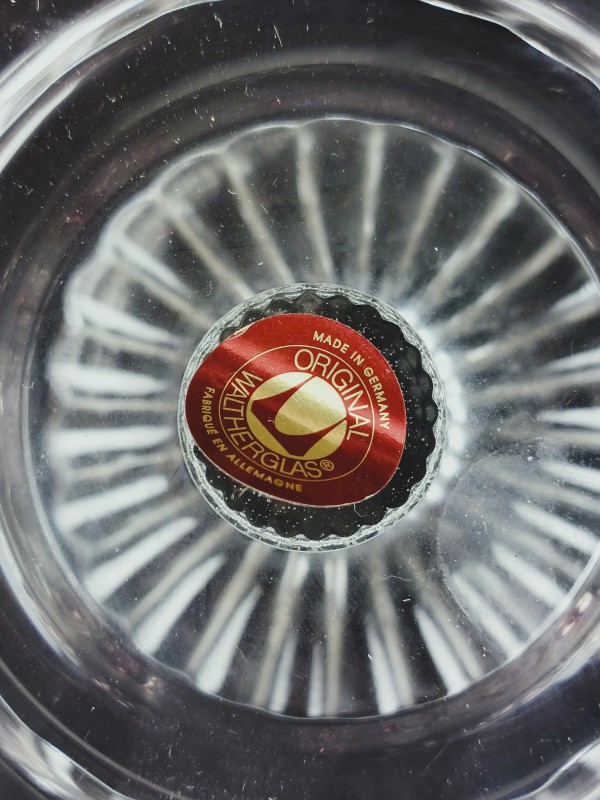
[{"x": 299, "y": 407}]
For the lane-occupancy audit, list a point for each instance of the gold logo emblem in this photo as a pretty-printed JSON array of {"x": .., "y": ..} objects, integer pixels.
[{"x": 298, "y": 415}]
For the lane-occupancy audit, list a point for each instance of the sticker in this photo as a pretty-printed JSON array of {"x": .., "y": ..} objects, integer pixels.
[{"x": 299, "y": 407}]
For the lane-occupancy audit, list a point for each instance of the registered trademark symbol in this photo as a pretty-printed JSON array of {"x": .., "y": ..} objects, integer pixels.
[{"x": 327, "y": 465}]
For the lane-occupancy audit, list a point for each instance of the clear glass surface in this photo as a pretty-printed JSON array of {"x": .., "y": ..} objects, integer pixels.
[
  {"x": 500, "y": 543},
  {"x": 160, "y": 166}
]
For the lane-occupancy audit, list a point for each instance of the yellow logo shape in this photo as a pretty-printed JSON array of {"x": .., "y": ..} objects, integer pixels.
[{"x": 305, "y": 418}]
